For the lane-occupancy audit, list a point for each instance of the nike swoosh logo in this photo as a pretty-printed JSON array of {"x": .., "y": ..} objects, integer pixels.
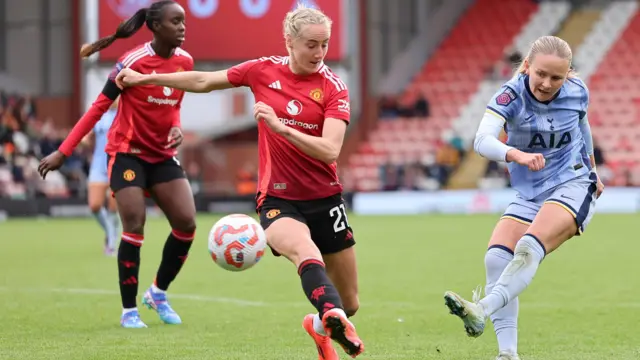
[
  {"x": 529, "y": 117},
  {"x": 566, "y": 197}
]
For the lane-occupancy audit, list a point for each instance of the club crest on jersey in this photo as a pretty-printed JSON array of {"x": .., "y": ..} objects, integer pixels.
[
  {"x": 167, "y": 91},
  {"x": 506, "y": 97},
  {"x": 316, "y": 94},
  {"x": 116, "y": 70},
  {"x": 294, "y": 107}
]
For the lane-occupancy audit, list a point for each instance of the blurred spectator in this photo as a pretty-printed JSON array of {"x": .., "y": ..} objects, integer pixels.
[
  {"x": 247, "y": 180},
  {"x": 389, "y": 108},
  {"x": 392, "y": 108},
  {"x": 504, "y": 69},
  {"x": 23, "y": 140},
  {"x": 194, "y": 174},
  {"x": 605, "y": 173},
  {"x": 421, "y": 107}
]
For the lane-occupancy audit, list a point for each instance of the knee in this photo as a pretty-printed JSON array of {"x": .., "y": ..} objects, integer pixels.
[
  {"x": 95, "y": 206},
  {"x": 497, "y": 257},
  {"x": 186, "y": 225},
  {"x": 301, "y": 252},
  {"x": 133, "y": 222}
]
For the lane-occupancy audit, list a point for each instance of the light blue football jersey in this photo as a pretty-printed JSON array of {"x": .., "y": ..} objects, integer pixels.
[
  {"x": 100, "y": 130},
  {"x": 549, "y": 128}
]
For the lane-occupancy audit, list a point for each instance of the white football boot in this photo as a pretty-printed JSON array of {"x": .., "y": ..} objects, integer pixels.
[
  {"x": 506, "y": 355},
  {"x": 471, "y": 313}
]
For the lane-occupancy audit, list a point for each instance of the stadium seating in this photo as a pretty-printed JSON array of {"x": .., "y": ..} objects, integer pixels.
[
  {"x": 615, "y": 106},
  {"x": 448, "y": 79}
]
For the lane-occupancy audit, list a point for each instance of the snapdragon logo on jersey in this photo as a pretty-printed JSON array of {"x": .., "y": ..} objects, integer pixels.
[
  {"x": 165, "y": 101},
  {"x": 294, "y": 107},
  {"x": 166, "y": 91}
]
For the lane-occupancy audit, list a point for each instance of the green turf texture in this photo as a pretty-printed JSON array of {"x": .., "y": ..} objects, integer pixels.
[{"x": 59, "y": 295}]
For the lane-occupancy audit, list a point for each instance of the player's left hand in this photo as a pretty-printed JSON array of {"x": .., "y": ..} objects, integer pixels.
[
  {"x": 599, "y": 186},
  {"x": 175, "y": 138},
  {"x": 266, "y": 113}
]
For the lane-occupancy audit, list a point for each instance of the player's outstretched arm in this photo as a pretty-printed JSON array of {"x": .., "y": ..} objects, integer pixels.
[{"x": 190, "y": 81}]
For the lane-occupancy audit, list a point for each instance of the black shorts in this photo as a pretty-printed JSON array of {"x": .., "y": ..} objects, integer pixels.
[
  {"x": 326, "y": 219},
  {"x": 127, "y": 170}
]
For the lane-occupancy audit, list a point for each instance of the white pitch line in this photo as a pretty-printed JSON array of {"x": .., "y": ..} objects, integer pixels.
[
  {"x": 239, "y": 302},
  {"x": 300, "y": 304}
]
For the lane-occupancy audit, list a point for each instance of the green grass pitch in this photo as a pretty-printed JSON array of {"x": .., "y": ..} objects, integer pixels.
[{"x": 59, "y": 295}]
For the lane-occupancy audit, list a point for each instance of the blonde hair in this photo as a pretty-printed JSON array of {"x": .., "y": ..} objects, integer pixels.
[
  {"x": 300, "y": 16},
  {"x": 549, "y": 45}
]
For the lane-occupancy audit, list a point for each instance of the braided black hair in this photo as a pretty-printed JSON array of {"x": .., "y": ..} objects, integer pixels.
[{"x": 129, "y": 27}]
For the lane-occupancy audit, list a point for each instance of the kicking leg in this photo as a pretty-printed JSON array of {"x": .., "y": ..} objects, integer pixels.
[
  {"x": 341, "y": 269},
  {"x": 552, "y": 226},
  {"x": 292, "y": 239}
]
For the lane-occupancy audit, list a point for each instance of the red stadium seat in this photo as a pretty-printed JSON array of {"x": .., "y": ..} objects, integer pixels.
[
  {"x": 448, "y": 79},
  {"x": 615, "y": 109}
]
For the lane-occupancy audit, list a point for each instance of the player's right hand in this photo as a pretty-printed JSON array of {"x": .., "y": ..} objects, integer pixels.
[
  {"x": 535, "y": 162},
  {"x": 127, "y": 77},
  {"x": 51, "y": 162}
]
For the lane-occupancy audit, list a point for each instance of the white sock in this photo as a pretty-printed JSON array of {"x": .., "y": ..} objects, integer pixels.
[
  {"x": 317, "y": 325},
  {"x": 505, "y": 320},
  {"x": 157, "y": 290},
  {"x": 125, "y": 311},
  {"x": 516, "y": 276}
]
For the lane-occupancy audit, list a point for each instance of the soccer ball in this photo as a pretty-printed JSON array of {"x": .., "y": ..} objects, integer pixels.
[{"x": 237, "y": 242}]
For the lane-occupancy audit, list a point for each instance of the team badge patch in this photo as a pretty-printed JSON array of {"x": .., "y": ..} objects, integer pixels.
[
  {"x": 273, "y": 213},
  {"x": 506, "y": 97},
  {"x": 316, "y": 94},
  {"x": 129, "y": 175},
  {"x": 115, "y": 71}
]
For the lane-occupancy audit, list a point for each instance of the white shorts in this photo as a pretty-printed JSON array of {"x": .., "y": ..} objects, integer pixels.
[
  {"x": 577, "y": 196},
  {"x": 98, "y": 170}
]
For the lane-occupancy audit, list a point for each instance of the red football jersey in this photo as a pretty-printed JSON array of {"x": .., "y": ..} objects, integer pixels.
[
  {"x": 147, "y": 113},
  {"x": 300, "y": 102}
]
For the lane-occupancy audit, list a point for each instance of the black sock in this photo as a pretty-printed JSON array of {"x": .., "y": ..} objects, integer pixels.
[
  {"x": 174, "y": 254},
  {"x": 318, "y": 287},
  {"x": 128, "y": 268}
]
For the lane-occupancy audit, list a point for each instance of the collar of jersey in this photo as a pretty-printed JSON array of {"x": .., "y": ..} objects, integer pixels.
[
  {"x": 526, "y": 86},
  {"x": 302, "y": 77}
]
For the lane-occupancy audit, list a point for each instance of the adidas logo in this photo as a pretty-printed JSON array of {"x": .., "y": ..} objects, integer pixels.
[{"x": 275, "y": 85}]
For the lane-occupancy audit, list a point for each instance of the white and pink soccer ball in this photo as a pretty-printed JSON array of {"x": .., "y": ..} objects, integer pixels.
[{"x": 237, "y": 242}]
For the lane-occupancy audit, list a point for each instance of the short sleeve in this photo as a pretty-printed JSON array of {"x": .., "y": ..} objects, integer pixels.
[
  {"x": 504, "y": 103},
  {"x": 189, "y": 64},
  {"x": 244, "y": 73},
  {"x": 338, "y": 106}
]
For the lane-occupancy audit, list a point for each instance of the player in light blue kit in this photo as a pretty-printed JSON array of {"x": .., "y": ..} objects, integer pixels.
[
  {"x": 99, "y": 182},
  {"x": 549, "y": 152}
]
